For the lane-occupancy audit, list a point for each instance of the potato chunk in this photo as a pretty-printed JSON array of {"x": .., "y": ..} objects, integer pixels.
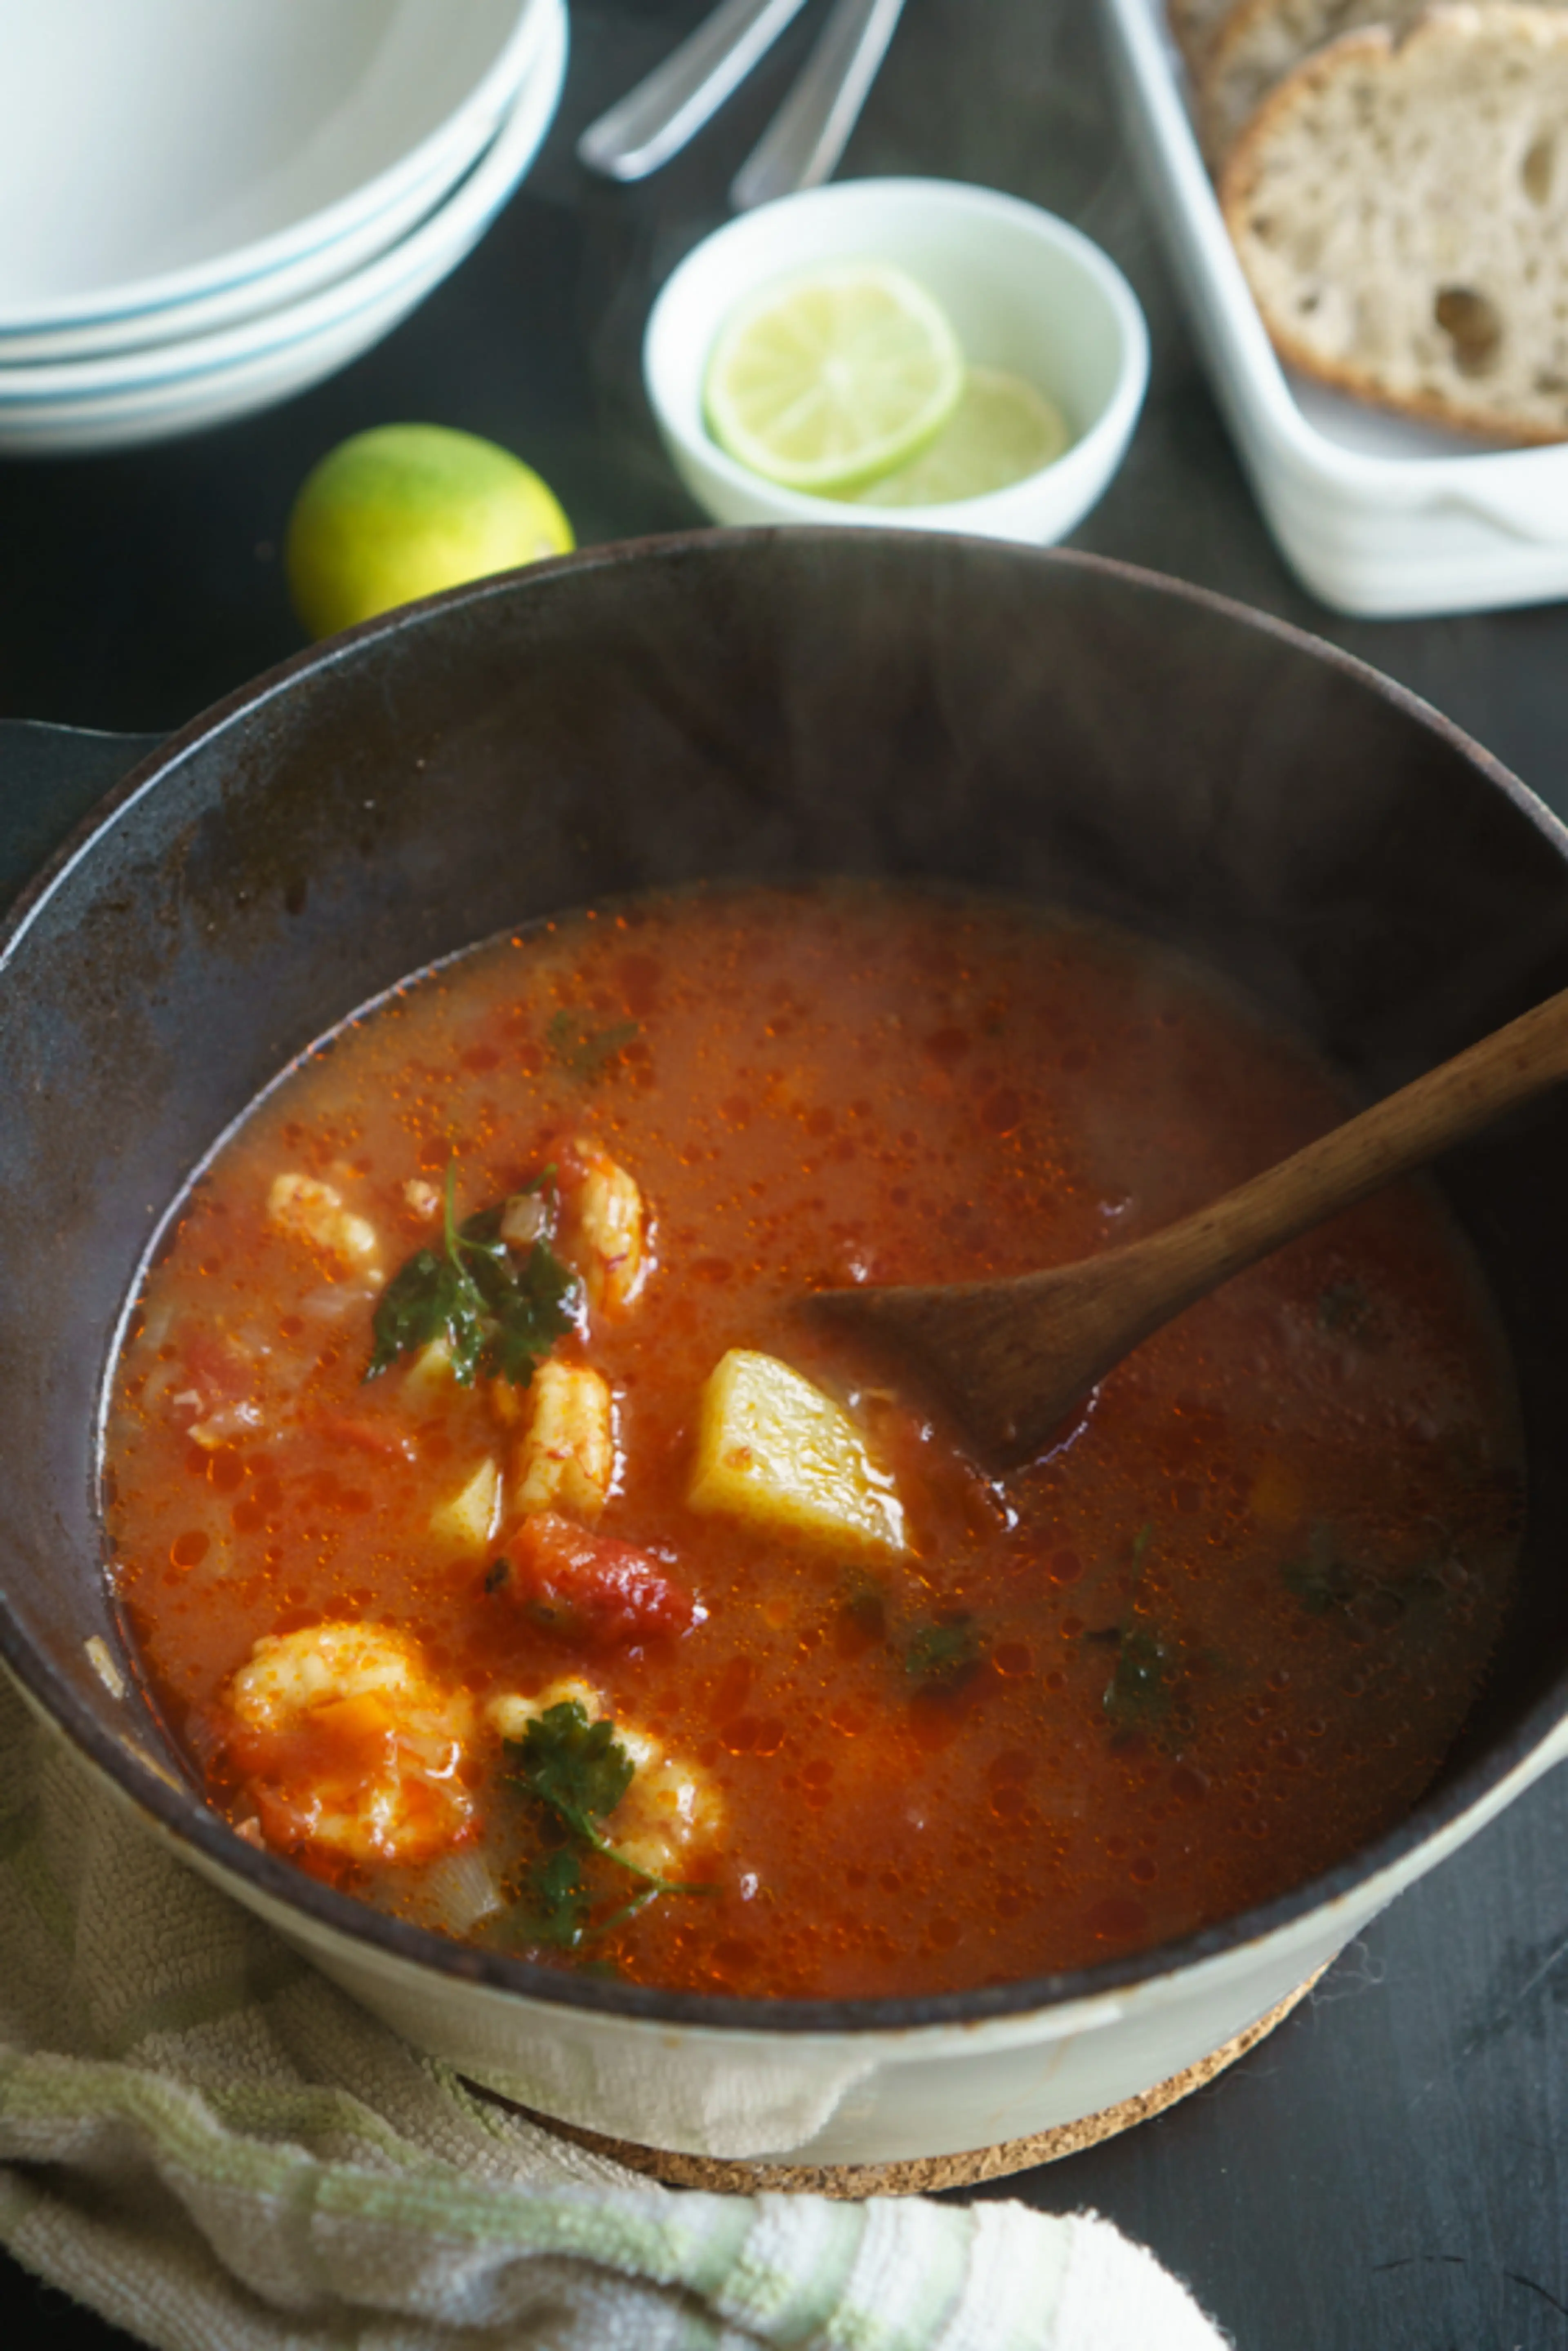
[
  {"x": 430, "y": 1378},
  {"x": 314, "y": 1212},
  {"x": 566, "y": 1459},
  {"x": 466, "y": 1520},
  {"x": 773, "y": 1448}
]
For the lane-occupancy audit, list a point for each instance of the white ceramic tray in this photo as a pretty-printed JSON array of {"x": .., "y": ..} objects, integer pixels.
[{"x": 1378, "y": 517}]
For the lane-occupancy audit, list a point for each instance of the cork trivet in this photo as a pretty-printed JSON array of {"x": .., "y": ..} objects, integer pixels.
[{"x": 850, "y": 2180}]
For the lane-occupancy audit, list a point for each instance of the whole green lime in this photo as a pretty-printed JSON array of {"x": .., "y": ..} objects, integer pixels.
[{"x": 405, "y": 509}]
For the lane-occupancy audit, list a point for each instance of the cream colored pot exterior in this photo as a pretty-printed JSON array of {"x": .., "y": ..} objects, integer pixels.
[{"x": 850, "y": 2097}]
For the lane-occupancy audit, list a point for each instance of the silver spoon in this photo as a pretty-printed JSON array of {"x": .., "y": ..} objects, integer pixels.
[
  {"x": 654, "y": 121},
  {"x": 812, "y": 129}
]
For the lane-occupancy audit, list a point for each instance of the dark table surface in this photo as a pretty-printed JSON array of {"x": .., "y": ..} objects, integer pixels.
[{"x": 1386, "y": 2169}]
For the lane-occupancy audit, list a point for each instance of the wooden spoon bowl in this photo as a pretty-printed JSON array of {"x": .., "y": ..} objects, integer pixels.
[{"x": 1010, "y": 1358}]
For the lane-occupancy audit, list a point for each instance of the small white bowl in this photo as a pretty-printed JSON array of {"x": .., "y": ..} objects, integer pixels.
[{"x": 1024, "y": 291}]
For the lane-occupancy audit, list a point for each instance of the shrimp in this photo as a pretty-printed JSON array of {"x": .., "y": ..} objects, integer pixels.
[
  {"x": 671, "y": 1809},
  {"x": 348, "y": 1745},
  {"x": 612, "y": 1239},
  {"x": 567, "y": 1455},
  {"x": 314, "y": 1212}
]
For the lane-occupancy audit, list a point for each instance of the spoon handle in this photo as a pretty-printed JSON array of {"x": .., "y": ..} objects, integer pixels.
[
  {"x": 655, "y": 120},
  {"x": 1012, "y": 1357},
  {"x": 1397, "y": 1135},
  {"x": 813, "y": 127}
]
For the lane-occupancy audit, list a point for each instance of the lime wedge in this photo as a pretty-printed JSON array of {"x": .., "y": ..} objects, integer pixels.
[
  {"x": 826, "y": 382},
  {"x": 1001, "y": 431}
]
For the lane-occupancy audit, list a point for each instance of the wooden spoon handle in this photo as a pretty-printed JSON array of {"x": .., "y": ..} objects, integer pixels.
[
  {"x": 1400, "y": 1133},
  {"x": 1012, "y": 1357}
]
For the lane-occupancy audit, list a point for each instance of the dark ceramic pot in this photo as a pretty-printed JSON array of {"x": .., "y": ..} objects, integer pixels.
[{"x": 763, "y": 705}]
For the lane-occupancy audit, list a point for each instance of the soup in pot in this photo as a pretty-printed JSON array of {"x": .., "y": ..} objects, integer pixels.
[{"x": 501, "y": 1543}]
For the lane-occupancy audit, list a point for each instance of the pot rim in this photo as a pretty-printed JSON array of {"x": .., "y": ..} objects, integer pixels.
[{"x": 180, "y": 1811}]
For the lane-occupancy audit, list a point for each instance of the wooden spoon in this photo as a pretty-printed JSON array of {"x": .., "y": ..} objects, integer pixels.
[{"x": 1010, "y": 1358}]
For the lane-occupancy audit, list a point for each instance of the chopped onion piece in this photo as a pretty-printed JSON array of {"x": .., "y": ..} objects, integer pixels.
[{"x": 459, "y": 1890}]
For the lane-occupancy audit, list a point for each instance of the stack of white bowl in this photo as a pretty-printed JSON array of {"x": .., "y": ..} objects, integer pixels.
[{"x": 207, "y": 205}]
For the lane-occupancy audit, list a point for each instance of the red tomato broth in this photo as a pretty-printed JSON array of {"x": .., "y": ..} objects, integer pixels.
[{"x": 1214, "y": 1643}]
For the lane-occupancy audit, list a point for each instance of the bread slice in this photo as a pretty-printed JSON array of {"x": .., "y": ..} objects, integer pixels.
[
  {"x": 1258, "y": 42},
  {"x": 1195, "y": 24},
  {"x": 1400, "y": 208}
]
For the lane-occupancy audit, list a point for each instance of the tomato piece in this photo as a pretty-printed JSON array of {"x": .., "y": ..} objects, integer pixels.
[
  {"x": 590, "y": 1588},
  {"x": 369, "y": 1433},
  {"x": 218, "y": 1369}
]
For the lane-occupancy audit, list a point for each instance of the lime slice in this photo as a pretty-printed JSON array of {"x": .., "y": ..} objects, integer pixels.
[
  {"x": 1002, "y": 431},
  {"x": 404, "y": 510},
  {"x": 825, "y": 383}
]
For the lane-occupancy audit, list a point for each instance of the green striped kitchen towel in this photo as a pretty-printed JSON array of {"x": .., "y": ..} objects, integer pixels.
[{"x": 205, "y": 2141}]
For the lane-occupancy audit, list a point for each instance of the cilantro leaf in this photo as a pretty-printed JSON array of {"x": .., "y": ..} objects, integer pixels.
[
  {"x": 1139, "y": 1692},
  {"x": 579, "y": 1770},
  {"x": 539, "y": 1307},
  {"x": 555, "y": 1908},
  {"x": 1320, "y": 1579},
  {"x": 424, "y": 1300},
  {"x": 1328, "y": 1583},
  {"x": 498, "y": 1313},
  {"x": 1155, "y": 1686},
  {"x": 942, "y": 1654},
  {"x": 584, "y": 1050},
  {"x": 860, "y": 1621},
  {"x": 1346, "y": 1310}
]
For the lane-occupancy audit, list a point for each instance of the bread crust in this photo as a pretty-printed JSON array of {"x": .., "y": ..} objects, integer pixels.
[
  {"x": 1257, "y": 41},
  {"x": 1455, "y": 255},
  {"x": 1195, "y": 24}
]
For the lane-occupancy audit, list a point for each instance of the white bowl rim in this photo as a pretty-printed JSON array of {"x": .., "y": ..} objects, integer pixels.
[
  {"x": 46, "y": 390},
  {"x": 1112, "y": 427},
  {"x": 481, "y": 108},
  {"x": 250, "y": 298}
]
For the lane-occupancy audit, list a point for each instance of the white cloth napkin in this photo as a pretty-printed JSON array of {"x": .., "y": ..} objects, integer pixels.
[{"x": 215, "y": 2149}]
